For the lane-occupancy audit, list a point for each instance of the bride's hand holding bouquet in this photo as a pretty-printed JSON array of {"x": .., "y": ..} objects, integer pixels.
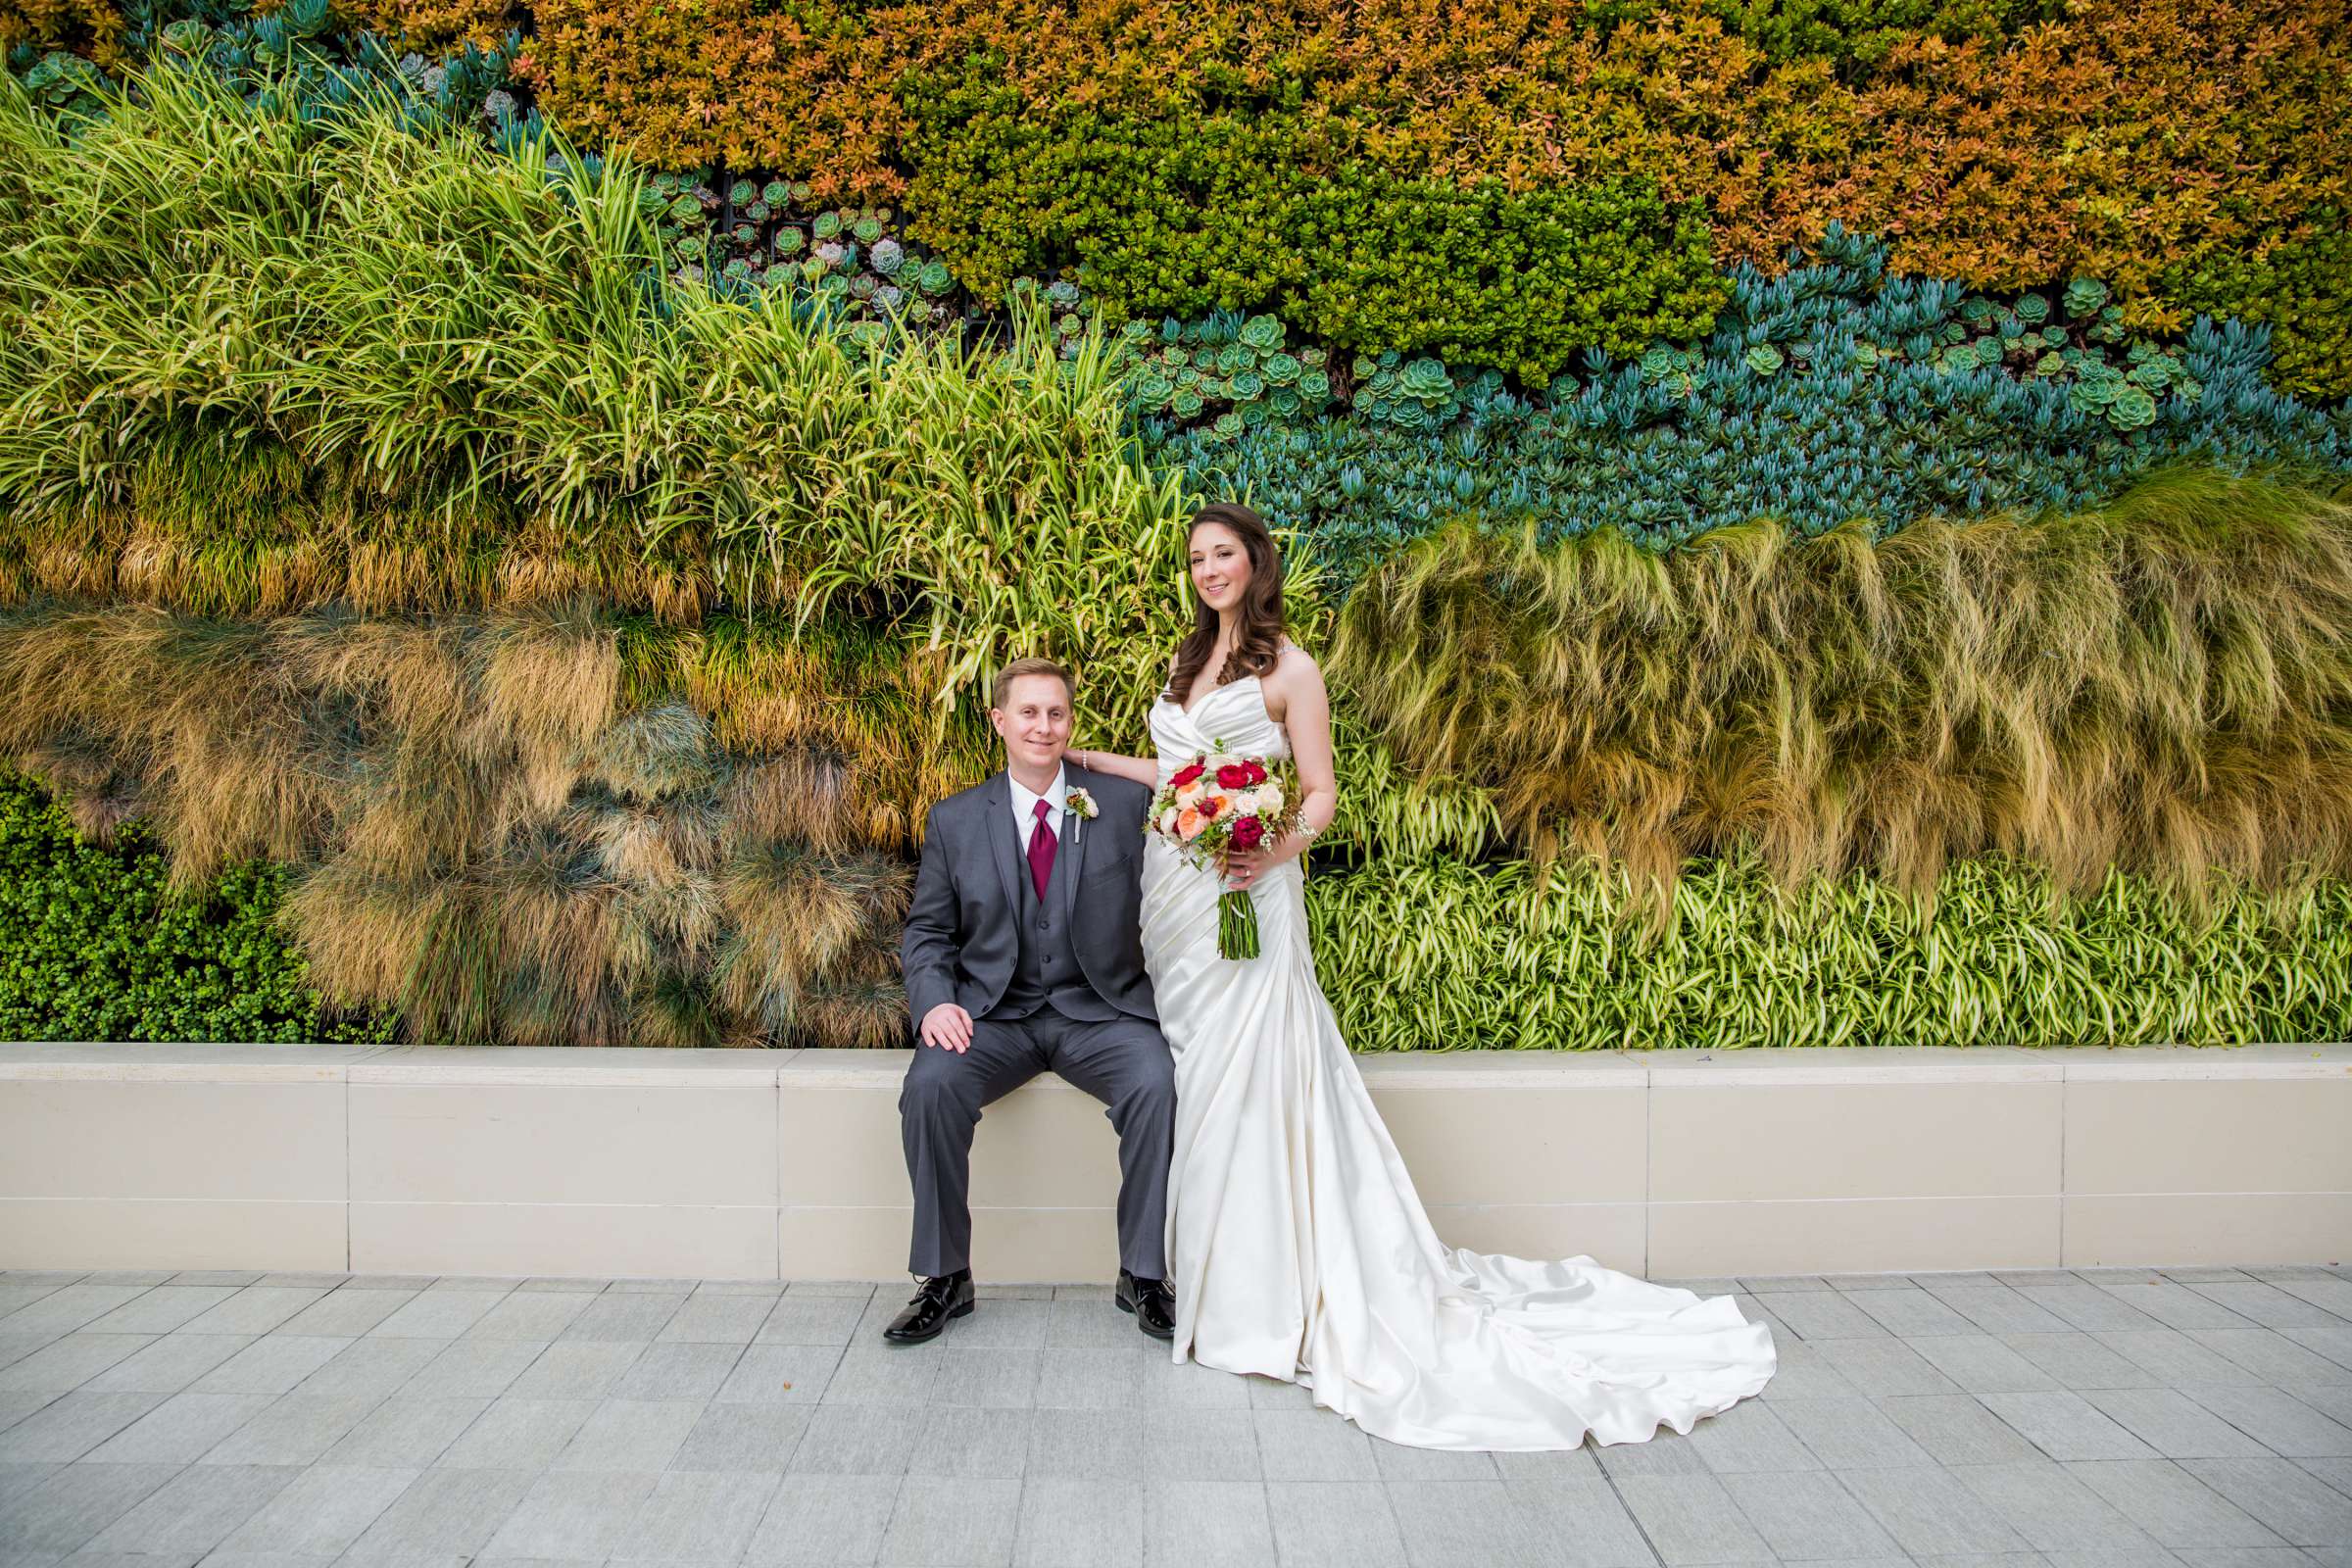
[{"x": 1225, "y": 812}]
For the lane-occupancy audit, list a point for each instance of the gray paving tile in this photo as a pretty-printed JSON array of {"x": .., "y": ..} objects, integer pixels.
[
  {"x": 66, "y": 1308},
  {"x": 974, "y": 1440},
  {"x": 2291, "y": 1502},
  {"x": 168, "y": 1364},
  {"x": 443, "y": 1516},
  {"x": 1311, "y": 1445},
  {"x": 67, "y": 1363},
  {"x": 1825, "y": 1315},
  {"x": 161, "y": 1309},
  {"x": 640, "y": 1435},
  {"x": 1909, "y": 1310},
  {"x": 70, "y": 1425},
  {"x": 2276, "y": 1419},
  {"x": 1005, "y": 1325},
  {"x": 1693, "y": 1519},
  {"x": 1205, "y": 1445},
  {"x": 1847, "y": 1432},
  {"x": 517, "y": 1435},
  {"x": 576, "y": 1371},
  {"x": 1884, "y": 1366},
  {"x": 195, "y": 1510},
  {"x": 621, "y": 1315},
  {"x": 697, "y": 1516},
  {"x": 437, "y": 1314},
  {"x": 297, "y": 1429},
  {"x": 811, "y": 1320},
  {"x": 572, "y": 1514},
  {"x": 856, "y": 1442},
  {"x": 1803, "y": 1371},
  {"x": 1749, "y": 1435},
  {"x": 347, "y": 1312},
  {"x": 322, "y": 1510},
  {"x": 1076, "y": 1378},
  {"x": 557, "y": 1282},
  {"x": 2174, "y": 1425},
  {"x": 15, "y": 1296},
  {"x": 380, "y": 1367},
  {"x": 1808, "y": 1514},
  {"x": 15, "y": 1405},
  {"x": 999, "y": 1378},
  {"x": 1664, "y": 1455},
  {"x": 886, "y": 1374},
  {"x": 1996, "y": 1308},
  {"x": 780, "y": 1374},
  {"x": 255, "y": 1310},
  {"x": 2079, "y": 1361},
  {"x": 1166, "y": 1384},
  {"x": 1334, "y": 1524},
  {"x": 1930, "y": 1513},
  {"x": 1468, "y": 1524},
  {"x": 2049, "y": 1507},
  {"x": 2172, "y": 1504},
  {"x": 272, "y": 1364},
  {"x": 1206, "y": 1524},
  {"x": 406, "y": 1431},
  {"x": 2086, "y": 1307},
  {"x": 2065, "y": 1425},
  {"x": 1953, "y": 1429},
  {"x": 2176, "y": 1305},
  {"x": 181, "y": 1429},
  {"x": 1584, "y": 1521},
  {"x": 2171, "y": 1358},
  {"x": 942, "y": 1519},
  {"x": 2272, "y": 1357},
  {"x": 751, "y": 1438},
  {"x": 719, "y": 1319},
  {"x": 1981, "y": 1364},
  {"x": 1068, "y": 1523},
  {"x": 824, "y": 1519},
  {"x": 14, "y": 1347},
  {"x": 540, "y": 1316},
  {"x": 1396, "y": 1461},
  {"x": 472, "y": 1369},
  {"x": 663, "y": 1287},
  {"x": 1098, "y": 1445},
  {"x": 692, "y": 1371},
  {"x": 57, "y": 1509}
]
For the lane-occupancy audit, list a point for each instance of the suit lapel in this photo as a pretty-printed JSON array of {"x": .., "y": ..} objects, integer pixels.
[
  {"x": 1005, "y": 849},
  {"x": 1073, "y": 841}
]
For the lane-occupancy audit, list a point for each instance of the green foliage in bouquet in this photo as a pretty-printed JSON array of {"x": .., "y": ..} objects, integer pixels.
[{"x": 100, "y": 947}]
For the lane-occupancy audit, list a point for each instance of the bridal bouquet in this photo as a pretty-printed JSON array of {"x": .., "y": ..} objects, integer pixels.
[{"x": 1218, "y": 802}]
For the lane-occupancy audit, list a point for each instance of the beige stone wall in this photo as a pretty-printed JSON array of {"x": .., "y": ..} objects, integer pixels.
[{"x": 732, "y": 1164}]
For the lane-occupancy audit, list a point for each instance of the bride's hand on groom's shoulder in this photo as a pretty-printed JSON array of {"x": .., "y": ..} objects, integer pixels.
[{"x": 949, "y": 1027}]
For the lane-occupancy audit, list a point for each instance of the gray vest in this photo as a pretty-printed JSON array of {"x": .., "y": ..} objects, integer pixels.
[{"x": 1047, "y": 970}]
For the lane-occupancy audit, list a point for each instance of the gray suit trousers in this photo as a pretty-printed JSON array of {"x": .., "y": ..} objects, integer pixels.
[{"x": 1123, "y": 1061}]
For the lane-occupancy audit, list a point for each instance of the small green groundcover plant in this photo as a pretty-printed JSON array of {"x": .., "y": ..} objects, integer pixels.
[{"x": 94, "y": 945}]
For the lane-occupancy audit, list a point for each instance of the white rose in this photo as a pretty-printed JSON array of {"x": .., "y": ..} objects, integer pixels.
[
  {"x": 1269, "y": 796},
  {"x": 1168, "y": 820},
  {"x": 1246, "y": 803}
]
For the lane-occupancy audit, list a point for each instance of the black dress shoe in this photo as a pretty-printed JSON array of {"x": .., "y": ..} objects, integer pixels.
[
  {"x": 1152, "y": 1302},
  {"x": 936, "y": 1301}
]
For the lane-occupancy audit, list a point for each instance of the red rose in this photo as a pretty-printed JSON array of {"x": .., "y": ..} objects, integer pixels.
[
  {"x": 1257, "y": 774},
  {"x": 1185, "y": 774},
  {"x": 1247, "y": 832},
  {"x": 1232, "y": 777}
]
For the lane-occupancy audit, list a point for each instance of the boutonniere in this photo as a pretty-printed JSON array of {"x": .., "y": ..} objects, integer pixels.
[{"x": 1081, "y": 807}]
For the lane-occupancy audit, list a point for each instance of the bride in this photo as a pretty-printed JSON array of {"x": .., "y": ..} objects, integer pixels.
[{"x": 1296, "y": 1245}]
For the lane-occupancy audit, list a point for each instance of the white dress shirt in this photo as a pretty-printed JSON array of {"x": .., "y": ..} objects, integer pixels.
[{"x": 1024, "y": 807}]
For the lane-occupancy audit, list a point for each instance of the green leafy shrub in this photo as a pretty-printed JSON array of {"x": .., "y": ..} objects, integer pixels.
[
  {"x": 97, "y": 946},
  {"x": 1439, "y": 954}
]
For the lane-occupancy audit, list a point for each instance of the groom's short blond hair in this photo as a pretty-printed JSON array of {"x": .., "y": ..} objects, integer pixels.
[{"x": 1031, "y": 667}]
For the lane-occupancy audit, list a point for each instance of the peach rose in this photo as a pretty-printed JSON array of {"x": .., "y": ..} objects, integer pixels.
[{"x": 1189, "y": 823}]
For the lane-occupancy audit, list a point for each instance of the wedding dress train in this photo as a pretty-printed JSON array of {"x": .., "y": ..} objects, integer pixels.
[{"x": 1296, "y": 1245}]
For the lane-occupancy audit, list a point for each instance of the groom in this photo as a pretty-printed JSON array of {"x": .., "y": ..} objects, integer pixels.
[{"x": 1023, "y": 955}]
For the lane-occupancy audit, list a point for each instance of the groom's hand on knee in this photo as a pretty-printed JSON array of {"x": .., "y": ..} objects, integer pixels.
[{"x": 948, "y": 1027}]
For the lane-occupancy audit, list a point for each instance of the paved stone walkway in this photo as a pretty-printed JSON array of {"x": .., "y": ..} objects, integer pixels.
[{"x": 2113, "y": 1417}]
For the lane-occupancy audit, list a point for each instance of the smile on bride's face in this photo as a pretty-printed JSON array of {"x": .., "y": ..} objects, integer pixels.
[
  {"x": 1221, "y": 565},
  {"x": 1035, "y": 724}
]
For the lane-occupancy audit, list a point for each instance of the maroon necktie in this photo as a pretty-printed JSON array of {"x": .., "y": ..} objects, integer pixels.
[{"x": 1042, "y": 845}]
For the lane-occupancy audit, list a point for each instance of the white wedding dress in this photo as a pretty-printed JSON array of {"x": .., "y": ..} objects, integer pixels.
[{"x": 1296, "y": 1245}]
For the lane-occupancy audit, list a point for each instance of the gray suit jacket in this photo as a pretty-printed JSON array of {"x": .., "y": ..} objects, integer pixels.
[{"x": 960, "y": 944}]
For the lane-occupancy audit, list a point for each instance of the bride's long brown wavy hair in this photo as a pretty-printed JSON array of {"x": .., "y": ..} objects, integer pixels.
[{"x": 1257, "y": 639}]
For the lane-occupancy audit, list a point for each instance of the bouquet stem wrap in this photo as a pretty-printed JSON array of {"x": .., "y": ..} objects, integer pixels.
[{"x": 1237, "y": 925}]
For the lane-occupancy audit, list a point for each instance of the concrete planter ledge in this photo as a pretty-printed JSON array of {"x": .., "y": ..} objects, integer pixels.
[{"x": 786, "y": 1165}]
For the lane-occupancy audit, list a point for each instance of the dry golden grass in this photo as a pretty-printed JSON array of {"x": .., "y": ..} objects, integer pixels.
[{"x": 2163, "y": 686}]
